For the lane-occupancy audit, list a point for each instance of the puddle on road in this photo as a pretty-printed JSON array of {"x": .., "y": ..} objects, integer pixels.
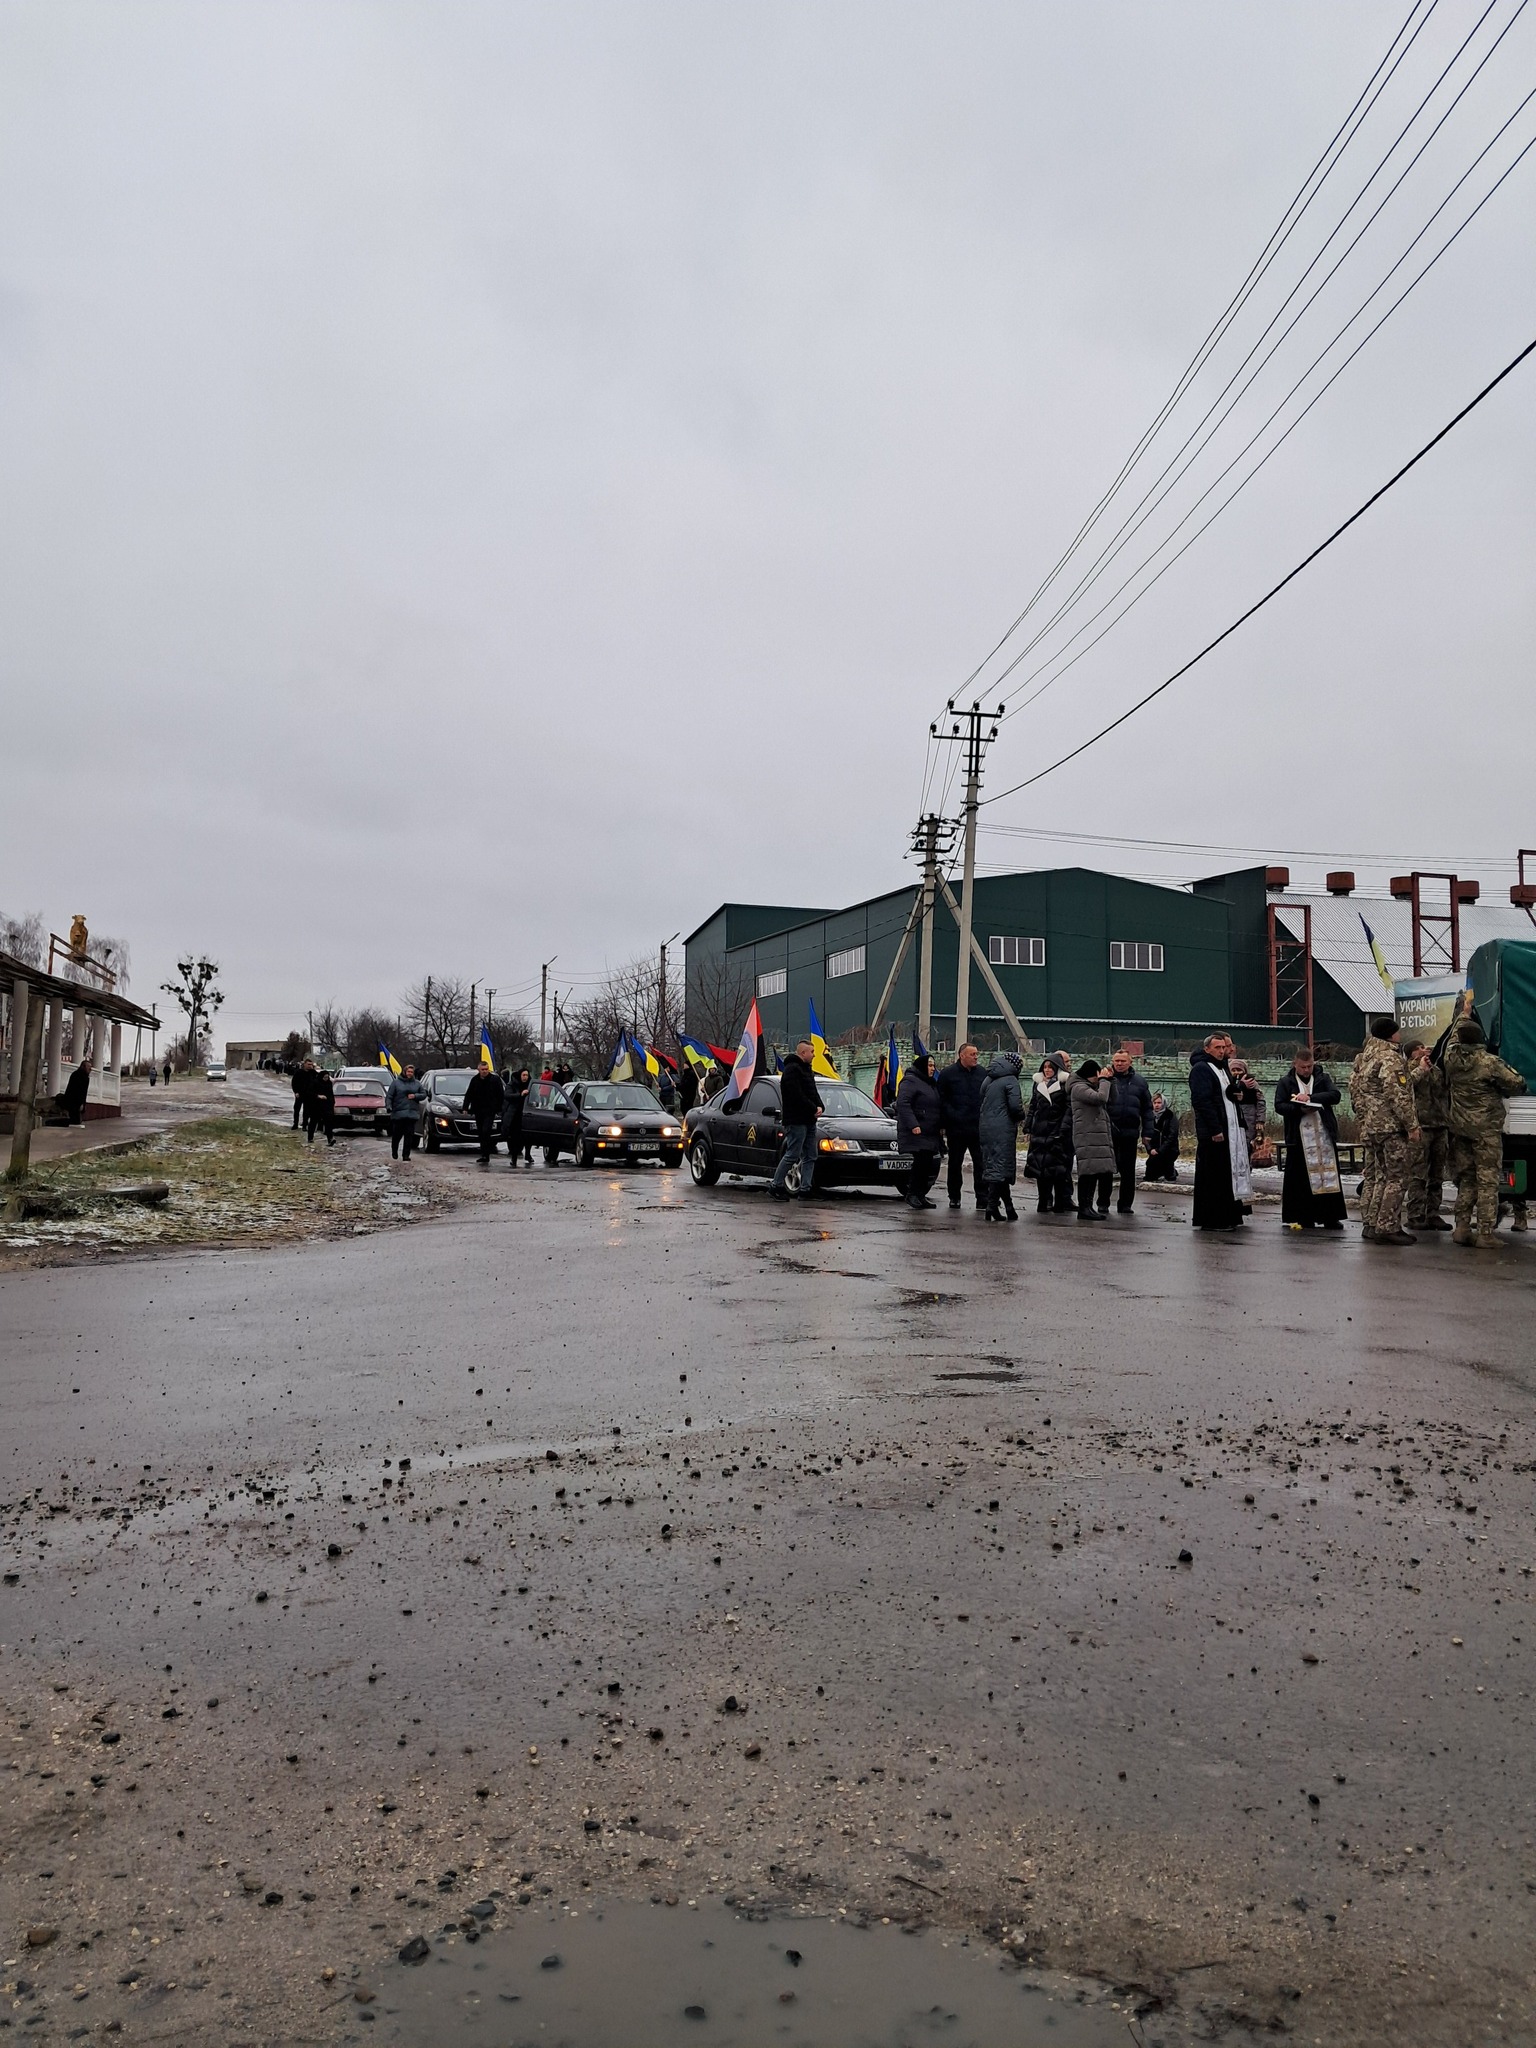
[{"x": 638, "y": 1976}]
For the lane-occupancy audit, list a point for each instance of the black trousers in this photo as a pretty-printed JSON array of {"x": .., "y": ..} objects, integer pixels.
[
  {"x": 1126, "y": 1144},
  {"x": 925, "y": 1171},
  {"x": 485, "y": 1127},
  {"x": 512, "y": 1131},
  {"x": 318, "y": 1118},
  {"x": 965, "y": 1145},
  {"x": 402, "y": 1136},
  {"x": 298, "y": 1110},
  {"x": 1091, "y": 1185},
  {"x": 1163, "y": 1164}
]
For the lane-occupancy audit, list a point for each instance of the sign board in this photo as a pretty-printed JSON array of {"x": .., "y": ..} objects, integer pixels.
[{"x": 1427, "y": 1008}]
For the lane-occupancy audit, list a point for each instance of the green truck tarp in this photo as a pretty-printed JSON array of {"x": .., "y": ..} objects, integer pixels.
[{"x": 1503, "y": 975}]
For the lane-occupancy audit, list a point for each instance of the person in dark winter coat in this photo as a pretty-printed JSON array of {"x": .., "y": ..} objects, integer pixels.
[
  {"x": 301, "y": 1074},
  {"x": 1163, "y": 1156},
  {"x": 960, "y": 1090},
  {"x": 920, "y": 1129},
  {"x": 1092, "y": 1141},
  {"x": 320, "y": 1106},
  {"x": 687, "y": 1087},
  {"x": 512, "y": 1118},
  {"x": 1223, "y": 1183},
  {"x": 485, "y": 1098},
  {"x": 800, "y": 1102},
  {"x": 1002, "y": 1111},
  {"x": 1130, "y": 1124},
  {"x": 1048, "y": 1125},
  {"x": 70, "y": 1101},
  {"x": 1302, "y": 1205},
  {"x": 403, "y": 1099}
]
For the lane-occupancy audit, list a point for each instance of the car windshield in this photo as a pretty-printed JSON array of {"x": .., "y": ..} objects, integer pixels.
[
  {"x": 617, "y": 1095},
  {"x": 841, "y": 1100},
  {"x": 452, "y": 1086},
  {"x": 374, "y": 1074}
]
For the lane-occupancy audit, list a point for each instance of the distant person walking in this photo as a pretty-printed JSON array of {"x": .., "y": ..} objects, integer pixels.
[
  {"x": 512, "y": 1118},
  {"x": 301, "y": 1074},
  {"x": 800, "y": 1104},
  {"x": 1048, "y": 1126},
  {"x": 1163, "y": 1153},
  {"x": 485, "y": 1099},
  {"x": 320, "y": 1107},
  {"x": 1130, "y": 1124},
  {"x": 1382, "y": 1093},
  {"x": 1223, "y": 1179},
  {"x": 1477, "y": 1081},
  {"x": 166, "y": 1070},
  {"x": 70, "y": 1102},
  {"x": 1002, "y": 1111},
  {"x": 1093, "y": 1140},
  {"x": 403, "y": 1099},
  {"x": 960, "y": 1090},
  {"x": 920, "y": 1129},
  {"x": 1312, "y": 1192}
]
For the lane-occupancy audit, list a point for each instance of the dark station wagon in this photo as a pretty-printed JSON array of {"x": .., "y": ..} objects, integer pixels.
[
  {"x": 597, "y": 1120},
  {"x": 855, "y": 1142}
]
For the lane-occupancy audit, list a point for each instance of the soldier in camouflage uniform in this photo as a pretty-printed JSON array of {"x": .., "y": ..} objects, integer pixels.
[
  {"x": 1382, "y": 1095},
  {"x": 1478, "y": 1082},
  {"x": 1426, "y": 1168}
]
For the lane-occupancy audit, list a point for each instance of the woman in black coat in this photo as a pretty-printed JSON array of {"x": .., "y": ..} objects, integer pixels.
[
  {"x": 1048, "y": 1126},
  {"x": 1163, "y": 1159},
  {"x": 512, "y": 1118},
  {"x": 1302, "y": 1205},
  {"x": 919, "y": 1114}
]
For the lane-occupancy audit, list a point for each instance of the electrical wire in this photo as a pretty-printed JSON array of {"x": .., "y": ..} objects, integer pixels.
[
  {"x": 1289, "y": 577},
  {"x": 1451, "y": 861}
]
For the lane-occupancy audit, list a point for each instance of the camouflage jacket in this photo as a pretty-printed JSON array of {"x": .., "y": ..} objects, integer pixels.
[
  {"x": 1478, "y": 1081},
  {"x": 1381, "y": 1091},
  {"x": 1431, "y": 1097}
]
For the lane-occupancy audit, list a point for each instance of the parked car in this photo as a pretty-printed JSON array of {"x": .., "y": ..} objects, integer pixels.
[
  {"x": 444, "y": 1119},
  {"x": 595, "y": 1120},
  {"x": 216, "y": 1071},
  {"x": 361, "y": 1100},
  {"x": 855, "y": 1142}
]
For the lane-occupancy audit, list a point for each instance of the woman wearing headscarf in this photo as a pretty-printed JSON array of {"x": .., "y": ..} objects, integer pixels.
[
  {"x": 1048, "y": 1125},
  {"x": 1092, "y": 1141},
  {"x": 919, "y": 1115},
  {"x": 1002, "y": 1111}
]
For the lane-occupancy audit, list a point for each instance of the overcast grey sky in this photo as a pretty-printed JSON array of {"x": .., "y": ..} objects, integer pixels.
[{"x": 483, "y": 481}]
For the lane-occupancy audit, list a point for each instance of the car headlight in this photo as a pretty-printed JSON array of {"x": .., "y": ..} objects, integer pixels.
[
  {"x": 443, "y": 1122},
  {"x": 669, "y": 1130},
  {"x": 839, "y": 1145},
  {"x": 611, "y": 1131}
]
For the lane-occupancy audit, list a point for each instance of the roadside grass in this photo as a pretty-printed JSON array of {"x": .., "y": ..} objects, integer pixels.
[{"x": 229, "y": 1178}]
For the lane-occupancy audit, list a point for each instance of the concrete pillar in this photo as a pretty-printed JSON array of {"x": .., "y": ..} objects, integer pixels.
[
  {"x": 117, "y": 1046},
  {"x": 21, "y": 1136},
  {"x": 53, "y": 1078},
  {"x": 20, "y": 995}
]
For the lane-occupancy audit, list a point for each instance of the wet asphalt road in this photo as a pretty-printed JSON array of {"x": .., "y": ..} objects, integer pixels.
[{"x": 910, "y": 1492}]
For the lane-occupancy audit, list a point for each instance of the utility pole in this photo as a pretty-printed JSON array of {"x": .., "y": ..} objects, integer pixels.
[
  {"x": 426, "y": 1019},
  {"x": 925, "y": 841},
  {"x": 661, "y": 994},
  {"x": 544, "y": 1002},
  {"x": 490, "y": 997},
  {"x": 472, "y": 988},
  {"x": 976, "y": 741}
]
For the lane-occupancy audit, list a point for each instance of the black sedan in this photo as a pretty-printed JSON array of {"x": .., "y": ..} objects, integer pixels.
[
  {"x": 595, "y": 1120},
  {"x": 855, "y": 1141},
  {"x": 444, "y": 1119}
]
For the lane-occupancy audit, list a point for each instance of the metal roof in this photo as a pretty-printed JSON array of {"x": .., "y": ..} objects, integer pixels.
[
  {"x": 100, "y": 1002},
  {"x": 1340, "y": 947}
]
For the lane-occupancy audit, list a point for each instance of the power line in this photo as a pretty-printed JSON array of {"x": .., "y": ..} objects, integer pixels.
[
  {"x": 1207, "y": 846},
  {"x": 1289, "y": 577}
]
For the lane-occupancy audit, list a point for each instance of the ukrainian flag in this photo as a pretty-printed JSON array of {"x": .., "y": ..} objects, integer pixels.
[
  {"x": 487, "y": 1051},
  {"x": 919, "y": 1050},
  {"x": 698, "y": 1055},
  {"x": 648, "y": 1060},
  {"x": 621, "y": 1067},
  {"x": 820, "y": 1061},
  {"x": 1381, "y": 960},
  {"x": 893, "y": 1067},
  {"x": 387, "y": 1059}
]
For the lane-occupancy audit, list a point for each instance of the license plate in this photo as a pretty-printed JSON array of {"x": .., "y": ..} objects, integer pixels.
[
  {"x": 643, "y": 1145},
  {"x": 898, "y": 1163}
]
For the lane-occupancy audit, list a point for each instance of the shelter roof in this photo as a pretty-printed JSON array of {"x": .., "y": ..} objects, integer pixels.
[{"x": 101, "y": 1002}]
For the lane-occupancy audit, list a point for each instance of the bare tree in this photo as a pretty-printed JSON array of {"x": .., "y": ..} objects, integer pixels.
[
  {"x": 197, "y": 991},
  {"x": 24, "y": 937},
  {"x": 437, "y": 1012},
  {"x": 113, "y": 955},
  {"x": 330, "y": 1028},
  {"x": 719, "y": 995}
]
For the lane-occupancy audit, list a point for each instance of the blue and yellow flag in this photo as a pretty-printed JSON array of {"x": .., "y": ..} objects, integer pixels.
[
  {"x": 893, "y": 1067},
  {"x": 387, "y": 1059},
  {"x": 698, "y": 1055},
  {"x": 820, "y": 1061},
  {"x": 487, "y": 1051},
  {"x": 1381, "y": 960},
  {"x": 919, "y": 1050},
  {"x": 643, "y": 1059},
  {"x": 621, "y": 1066}
]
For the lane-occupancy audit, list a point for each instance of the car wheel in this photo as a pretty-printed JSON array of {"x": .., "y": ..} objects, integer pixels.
[
  {"x": 792, "y": 1178},
  {"x": 431, "y": 1142},
  {"x": 551, "y": 1155},
  {"x": 701, "y": 1164},
  {"x": 672, "y": 1159},
  {"x": 586, "y": 1155}
]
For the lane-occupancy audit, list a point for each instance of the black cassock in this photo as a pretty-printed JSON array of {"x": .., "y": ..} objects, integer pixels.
[{"x": 1298, "y": 1202}]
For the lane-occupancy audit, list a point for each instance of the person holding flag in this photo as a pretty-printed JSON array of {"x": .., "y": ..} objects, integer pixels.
[
  {"x": 801, "y": 1102},
  {"x": 821, "y": 1059},
  {"x": 387, "y": 1059},
  {"x": 485, "y": 1098}
]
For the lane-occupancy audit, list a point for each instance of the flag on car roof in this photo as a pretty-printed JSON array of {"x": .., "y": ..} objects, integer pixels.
[
  {"x": 749, "y": 1056},
  {"x": 387, "y": 1059},
  {"x": 820, "y": 1062},
  {"x": 1380, "y": 958}
]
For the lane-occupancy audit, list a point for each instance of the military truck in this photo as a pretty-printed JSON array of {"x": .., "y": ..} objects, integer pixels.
[{"x": 1502, "y": 978}]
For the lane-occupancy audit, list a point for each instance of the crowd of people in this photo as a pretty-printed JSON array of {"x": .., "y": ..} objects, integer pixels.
[{"x": 1424, "y": 1114}]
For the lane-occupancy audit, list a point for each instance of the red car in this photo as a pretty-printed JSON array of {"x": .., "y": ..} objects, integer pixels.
[{"x": 360, "y": 1100}]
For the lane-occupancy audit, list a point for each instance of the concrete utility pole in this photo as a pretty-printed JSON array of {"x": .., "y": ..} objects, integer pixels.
[
  {"x": 975, "y": 742},
  {"x": 473, "y": 986},
  {"x": 925, "y": 840},
  {"x": 661, "y": 994},
  {"x": 544, "y": 1001},
  {"x": 26, "y": 1094}
]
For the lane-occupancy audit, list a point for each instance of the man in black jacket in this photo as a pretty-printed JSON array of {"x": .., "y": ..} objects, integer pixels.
[
  {"x": 1130, "y": 1124},
  {"x": 485, "y": 1098},
  {"x": 801, "y": 1103},
  {"x": 960, "y": 1089},
  {"x": 319, "y": 1104}
]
